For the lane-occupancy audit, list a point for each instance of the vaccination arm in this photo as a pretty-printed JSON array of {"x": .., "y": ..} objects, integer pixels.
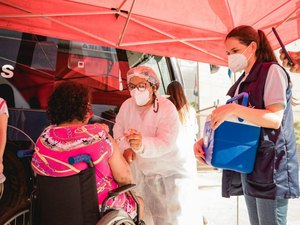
[
  {"x": 119, "y": 131},
  {"x": 120, "y": 168}
]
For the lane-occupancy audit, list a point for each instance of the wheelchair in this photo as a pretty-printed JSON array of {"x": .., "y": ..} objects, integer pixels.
[{"x": 72, "y": 200}]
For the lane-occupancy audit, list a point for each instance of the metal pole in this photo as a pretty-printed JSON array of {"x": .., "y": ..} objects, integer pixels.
[{"x": 237, "y": 211}]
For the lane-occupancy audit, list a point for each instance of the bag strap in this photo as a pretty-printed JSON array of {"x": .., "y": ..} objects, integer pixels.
[{"x": 243, "y": 95}]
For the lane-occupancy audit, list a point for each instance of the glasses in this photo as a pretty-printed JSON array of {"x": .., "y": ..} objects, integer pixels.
[{"x": 140, "y": 86}]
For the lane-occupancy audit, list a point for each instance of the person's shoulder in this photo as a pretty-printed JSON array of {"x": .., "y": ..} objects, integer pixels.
[
  {"x": 46, "y": 132},
  {"x": 165, "y": 104},
  {"x": 276, "y": 69},
  {"x": 164, "y": 100},
  {"x": 273, "y": 67},
  {"x": 127, "y": 102},
  {"x": 95, "y": 127},
  {"x": 276, "y": 66}
]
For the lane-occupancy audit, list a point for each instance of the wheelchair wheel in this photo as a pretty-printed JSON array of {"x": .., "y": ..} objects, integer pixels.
[
  {"x": 1, "y": 189},
  {"x": 20, "y": 217},
  {"x": 116, "y": 217},
  {"x": 15, "y": 190},
  {"x": 125, "y": 222}
]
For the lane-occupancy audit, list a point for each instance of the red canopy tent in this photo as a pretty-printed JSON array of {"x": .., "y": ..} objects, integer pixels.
[{"x": 189, "y": 29}]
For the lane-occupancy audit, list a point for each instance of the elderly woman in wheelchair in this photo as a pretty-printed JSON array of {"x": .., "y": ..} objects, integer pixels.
[{"x": 74, "y": 158}]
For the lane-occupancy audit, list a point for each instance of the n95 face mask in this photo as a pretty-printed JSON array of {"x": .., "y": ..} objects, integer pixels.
[
  {"x": 238, "y": 61},
  {"x": 141, "y": 97}
]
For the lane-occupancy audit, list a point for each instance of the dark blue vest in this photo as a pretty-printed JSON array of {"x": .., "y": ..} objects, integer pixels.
[{"x": 276, "y": 168}]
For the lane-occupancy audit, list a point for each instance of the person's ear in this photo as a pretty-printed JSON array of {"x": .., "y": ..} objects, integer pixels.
[
  {"x": 90, "y": 112},
  {"x": 154, "y": 88},
  {"x": 253, "y": 46}
]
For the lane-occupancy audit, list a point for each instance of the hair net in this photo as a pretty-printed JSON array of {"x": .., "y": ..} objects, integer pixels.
[{"x": 144, "y": 72}]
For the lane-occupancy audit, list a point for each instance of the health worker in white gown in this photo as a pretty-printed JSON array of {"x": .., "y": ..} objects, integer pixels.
[{"x": 147, "y": 129}]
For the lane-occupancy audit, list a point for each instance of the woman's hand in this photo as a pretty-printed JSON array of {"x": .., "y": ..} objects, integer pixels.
[
  {"x": 220, "y": 114},
  {"x": 135, "y": 139},
  {"x": 295, "y": 58},
  {"x": 129, "y": 155},
  {"x": 199, "y": 152}
]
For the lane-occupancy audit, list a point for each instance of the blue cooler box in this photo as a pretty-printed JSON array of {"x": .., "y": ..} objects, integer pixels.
[{"x": 233, "y": 144}]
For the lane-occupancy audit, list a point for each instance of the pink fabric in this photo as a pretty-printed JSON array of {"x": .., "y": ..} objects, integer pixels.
[
  {"x": 57, "y": 144},
  {"x": 3, "y": 107}
]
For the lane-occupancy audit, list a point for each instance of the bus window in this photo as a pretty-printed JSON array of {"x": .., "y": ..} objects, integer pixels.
[{"x": 160, "y": 66}]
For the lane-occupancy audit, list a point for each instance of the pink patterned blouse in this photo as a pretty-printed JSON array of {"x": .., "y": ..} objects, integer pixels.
[{"x": 57, "y": 144}]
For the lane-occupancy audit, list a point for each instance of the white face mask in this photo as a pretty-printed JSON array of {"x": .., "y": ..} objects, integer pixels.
[
  {"x": 238, "y": 61},
  {"x": 141, "y": 97}
]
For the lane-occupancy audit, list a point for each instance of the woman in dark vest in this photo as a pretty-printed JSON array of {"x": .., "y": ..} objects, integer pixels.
[{"x": 274, "y": 179}]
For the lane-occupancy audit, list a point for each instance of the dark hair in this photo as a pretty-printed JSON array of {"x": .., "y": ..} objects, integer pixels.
[
  {"x": 178, "y": 98},
  {"x": 247, "y": 34},
  {"x": 69, "y": 101}
]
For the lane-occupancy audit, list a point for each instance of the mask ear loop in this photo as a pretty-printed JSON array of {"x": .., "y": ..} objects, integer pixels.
[
  {"x": 155, "y": 103},
  {"x": 246, "y": 50}
]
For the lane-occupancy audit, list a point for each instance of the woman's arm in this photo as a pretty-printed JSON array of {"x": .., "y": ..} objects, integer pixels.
[
  {"x": 120, "y": 168},
  {"x": 270, "y": 117},
  {"x": 3, "y": 133},
  {"x": 274, "y": 100},
  {"x": 119, "y": 127}
]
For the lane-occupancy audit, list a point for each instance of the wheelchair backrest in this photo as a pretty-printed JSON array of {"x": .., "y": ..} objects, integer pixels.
[{"x": 68, "y": 200}]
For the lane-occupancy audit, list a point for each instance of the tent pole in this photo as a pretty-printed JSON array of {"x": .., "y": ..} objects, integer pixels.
[
  {"x": 286, "y": 19},
  {"x": 121, "y": 5},
  {"x": 126, "y": 24}
]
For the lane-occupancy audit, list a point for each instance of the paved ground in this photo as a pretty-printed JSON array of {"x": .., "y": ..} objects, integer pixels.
[{"x": 232, "y": 211}]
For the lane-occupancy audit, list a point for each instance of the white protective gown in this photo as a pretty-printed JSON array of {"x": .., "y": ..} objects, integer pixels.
[{"x": 164, "y": 172}]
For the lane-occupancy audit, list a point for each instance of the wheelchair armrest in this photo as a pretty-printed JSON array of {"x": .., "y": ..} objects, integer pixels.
[
  {"x": 120, "y": 190},
  {"x": 81, "y": 158},
  {"x": 23, "y": 153}
]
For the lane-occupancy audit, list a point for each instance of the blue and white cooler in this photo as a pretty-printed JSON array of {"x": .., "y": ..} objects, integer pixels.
[{"x": 233, "y": 144}]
